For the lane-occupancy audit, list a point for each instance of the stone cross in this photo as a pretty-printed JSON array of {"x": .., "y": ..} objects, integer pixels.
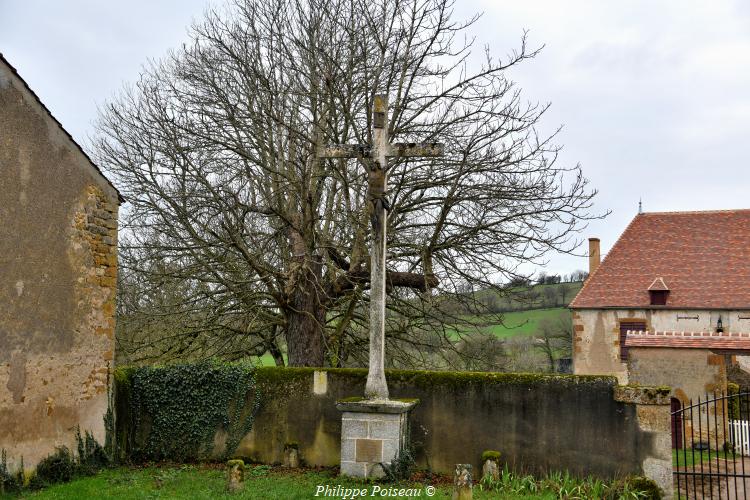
[{"x": 378, "y": 154}]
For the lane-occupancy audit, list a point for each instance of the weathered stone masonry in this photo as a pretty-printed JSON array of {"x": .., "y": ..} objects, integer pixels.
[{"x": 58, "y": 272}]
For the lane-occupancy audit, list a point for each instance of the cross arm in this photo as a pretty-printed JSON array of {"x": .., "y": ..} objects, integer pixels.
[
  {"x": 418, "y": 149},
  {"x": 345, "y": 151}
]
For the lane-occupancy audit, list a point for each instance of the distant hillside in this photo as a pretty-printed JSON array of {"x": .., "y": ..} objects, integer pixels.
[
  {"x": 515, "y": 323},
  {"x": 492, "y": 301}
]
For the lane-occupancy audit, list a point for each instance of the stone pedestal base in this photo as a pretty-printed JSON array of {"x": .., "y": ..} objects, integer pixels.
[{"x": 373, "y": 434}]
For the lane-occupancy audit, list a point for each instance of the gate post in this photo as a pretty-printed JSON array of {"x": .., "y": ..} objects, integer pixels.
[{"x": 652, "y": 409}]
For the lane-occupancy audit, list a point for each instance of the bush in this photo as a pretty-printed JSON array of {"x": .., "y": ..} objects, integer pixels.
[
  {"x": 91, "y": 455},
  {"x": 646, "y": 486},
  {"x": 60, "y": 467},
  {"x": 401, "y": 467}
]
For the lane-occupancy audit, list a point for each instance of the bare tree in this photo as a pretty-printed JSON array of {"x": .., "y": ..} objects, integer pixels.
[
  {"x": 550, "y": 296},
  {"x": 578, "y": 275},
  {"x": 555, "y": 338},
  {"x": 265, "y": 245},
  {"x": 564, "y": 289}
]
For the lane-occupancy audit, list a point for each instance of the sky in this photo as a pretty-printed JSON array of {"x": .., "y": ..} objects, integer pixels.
[{"x": 652, "y": 95}]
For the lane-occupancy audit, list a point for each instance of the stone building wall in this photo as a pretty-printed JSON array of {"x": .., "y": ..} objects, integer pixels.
[
  {"x": 58, "y": 270},
  {"x": 692, "y": 374},
  {"x": 596, "y": 333}
]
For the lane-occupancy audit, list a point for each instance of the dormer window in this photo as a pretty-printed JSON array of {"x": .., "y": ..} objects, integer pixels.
[{"x": 659, "y": 292}]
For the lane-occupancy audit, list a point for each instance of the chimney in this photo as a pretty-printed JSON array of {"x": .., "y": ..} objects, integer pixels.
[{"x": 594, "y": 256}]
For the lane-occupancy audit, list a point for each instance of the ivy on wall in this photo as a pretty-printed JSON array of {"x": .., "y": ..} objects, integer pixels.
[{"x": 180, "y": 408}]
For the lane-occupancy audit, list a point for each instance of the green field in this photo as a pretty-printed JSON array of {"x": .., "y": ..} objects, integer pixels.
[
  {"x": 525, "y": 322},
  {"x": 514, "y": 324}
]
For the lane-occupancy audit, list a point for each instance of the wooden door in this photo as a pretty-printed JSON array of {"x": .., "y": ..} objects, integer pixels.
[{"x": 676, "y": 406}]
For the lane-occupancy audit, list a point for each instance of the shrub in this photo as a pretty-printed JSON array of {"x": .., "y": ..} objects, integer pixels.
[
  {"x": 401, "y": 467},
  {"x": 91, "y": 455},
  {"x": 646, "y": 486},
  {"x": 60, "y": 467}
]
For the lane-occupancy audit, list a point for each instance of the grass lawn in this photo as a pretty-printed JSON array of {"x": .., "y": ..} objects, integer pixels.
[
  {"x": 266, "y": 360},
  {"x": 208, "y": 482},
  {"x": 689, "y": 457}
]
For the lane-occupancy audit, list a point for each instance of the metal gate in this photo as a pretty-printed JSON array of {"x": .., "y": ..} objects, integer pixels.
[{"x": 711, "y": 447}]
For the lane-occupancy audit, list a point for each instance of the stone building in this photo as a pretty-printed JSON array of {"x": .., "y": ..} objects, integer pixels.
[
  {"x": 58, "y": 267},
  {"x": 670, "y": 303}
]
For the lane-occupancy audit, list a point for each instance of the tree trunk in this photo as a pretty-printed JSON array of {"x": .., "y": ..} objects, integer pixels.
[
  {"x": 273, "y": 348},
  {"x": 306, "y": 318}
]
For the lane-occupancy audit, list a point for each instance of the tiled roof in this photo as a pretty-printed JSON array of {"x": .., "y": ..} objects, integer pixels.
[
  {"x": 704, "y": 257},
  {"x": 13, "y": 70},
  {"x": 695, "y": 340}
]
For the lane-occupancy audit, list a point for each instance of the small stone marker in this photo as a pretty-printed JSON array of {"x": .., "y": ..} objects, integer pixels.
[
  {"x": 291, "y": 455},
  {"x": 320, "y": 382},
  {"x": 235, "y": 476},
  {"x": 491, "y": 465},
  {"x": 491, "y": 470},
  {"x": 462, "y": 483}
]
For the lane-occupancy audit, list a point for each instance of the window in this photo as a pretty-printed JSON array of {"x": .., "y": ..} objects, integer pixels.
[
  {"x": 625, "y": 326},
  {"x": 658, "y": 297}
]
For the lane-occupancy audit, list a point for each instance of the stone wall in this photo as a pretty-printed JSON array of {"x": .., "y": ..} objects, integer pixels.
[
  {"x": 692, "y": 373},
  {"x": 58, "y": 266},
  {"x": 596, "y": 333},
  {"x": 539, "y": 423}
]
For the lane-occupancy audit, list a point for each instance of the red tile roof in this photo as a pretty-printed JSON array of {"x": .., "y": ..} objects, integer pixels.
[
  {"x": 697, "y": 340},
  {"x": 704, "y": 258}
]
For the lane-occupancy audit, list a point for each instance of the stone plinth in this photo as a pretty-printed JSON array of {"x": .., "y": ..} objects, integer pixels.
[{"x": 373, "y": 434}]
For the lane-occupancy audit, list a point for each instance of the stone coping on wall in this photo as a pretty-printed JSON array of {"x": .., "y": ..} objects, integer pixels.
[
  {"x": 361, "y": 405},
  {"x": 643, "y": 395},
  {"x": 428, "y": 378},
  {"x": 695, "y": 340}
]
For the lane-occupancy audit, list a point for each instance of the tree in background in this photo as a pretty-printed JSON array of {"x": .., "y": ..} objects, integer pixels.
[
  {"x": 238, "y": 240},
  {"x": 564, "y": 290},
  {"x": 555, "y": 338},
  {"x": 578, "y": 275}
]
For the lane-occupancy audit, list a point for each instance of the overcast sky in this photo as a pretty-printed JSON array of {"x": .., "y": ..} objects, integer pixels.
[{"x": 654, "y": 97}]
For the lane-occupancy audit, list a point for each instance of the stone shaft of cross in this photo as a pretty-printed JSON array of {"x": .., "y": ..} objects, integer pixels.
[{"x": 378, "y": 154}]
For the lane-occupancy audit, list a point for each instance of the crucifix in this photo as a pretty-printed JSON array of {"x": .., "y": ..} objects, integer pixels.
[{"x": 376, "y": 158}]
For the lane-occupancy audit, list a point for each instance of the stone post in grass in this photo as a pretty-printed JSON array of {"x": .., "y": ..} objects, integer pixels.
[
  {"x": 235, "y": 476},
  {"x": 462, "y": 483},
  {"x": 291, "y": 455},
  {"x": 491, "y": 464}
]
